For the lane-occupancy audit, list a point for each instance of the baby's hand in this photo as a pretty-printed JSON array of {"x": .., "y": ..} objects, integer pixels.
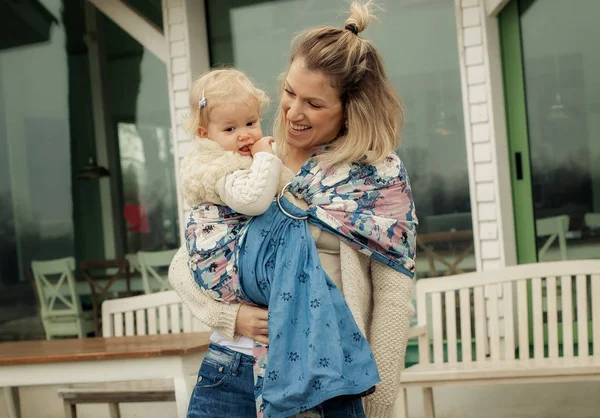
[{"x": 263, "y": 145}]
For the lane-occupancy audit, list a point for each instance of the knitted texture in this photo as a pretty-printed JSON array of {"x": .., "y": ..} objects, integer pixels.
[
  {"x": 251, "y": 191},
  {"x": 204, "y": 164},
  {"x": 219, "y": 316},
  {"x": 383, "y": 306}
]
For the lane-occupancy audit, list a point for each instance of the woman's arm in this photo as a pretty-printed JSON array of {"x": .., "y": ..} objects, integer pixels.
[
  {"x": 231, "y": 320},
  {"x": 392, "y": 312},
  {"x": 218, "y": 316}
]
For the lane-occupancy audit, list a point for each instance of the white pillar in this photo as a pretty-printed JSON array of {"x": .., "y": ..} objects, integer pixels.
[
  {"x": 486, "y": 137},
  {"x": 187, "y": 40}
]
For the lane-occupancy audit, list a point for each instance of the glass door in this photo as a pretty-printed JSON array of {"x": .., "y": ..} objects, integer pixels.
[{"x": 551, "y": 65}]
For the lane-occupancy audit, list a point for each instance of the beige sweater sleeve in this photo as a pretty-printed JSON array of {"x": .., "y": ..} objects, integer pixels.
[
  {"x": 392, "y": 311},
  {"x": 219, "y": 316}
]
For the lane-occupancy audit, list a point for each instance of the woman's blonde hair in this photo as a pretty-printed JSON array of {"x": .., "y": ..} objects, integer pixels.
[
  {"x": 372, "y": 110},
  {"x": 225, "y": 85}
]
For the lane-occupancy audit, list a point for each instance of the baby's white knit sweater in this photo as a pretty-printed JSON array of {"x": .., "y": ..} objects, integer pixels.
[{"x": 245, "y": 184}]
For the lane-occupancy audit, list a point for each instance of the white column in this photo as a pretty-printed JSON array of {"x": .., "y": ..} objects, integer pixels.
[
  {"x": 187, "y": 40},
  {"x": 485, "y": 128}
]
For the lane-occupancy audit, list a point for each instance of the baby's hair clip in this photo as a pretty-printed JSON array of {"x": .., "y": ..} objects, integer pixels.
[{"x": 202, "y": 101}]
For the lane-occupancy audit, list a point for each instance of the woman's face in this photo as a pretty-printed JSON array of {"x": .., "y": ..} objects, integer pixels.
[{"x": 311, "y": 107}]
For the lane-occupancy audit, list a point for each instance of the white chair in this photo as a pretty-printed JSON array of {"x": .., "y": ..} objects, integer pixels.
[
  {"x": 157, "y": 313},
  {"x": 592, "y": 220},
  {"x": 553, "y": 228},
  {"x": 150, "y": 263},
  {"x": 478, "y": 328},
  {"x": 60, "y": 307},
  {"x": 134, "y": 263}
]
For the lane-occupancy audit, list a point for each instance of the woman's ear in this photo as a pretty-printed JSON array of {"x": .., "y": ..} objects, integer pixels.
[{"x": 202, "y": 132}]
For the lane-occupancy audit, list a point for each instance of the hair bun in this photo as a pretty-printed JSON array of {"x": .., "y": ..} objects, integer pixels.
[
  {"x": 360, "y": 14},
  {"x": 352, "y": 28}
]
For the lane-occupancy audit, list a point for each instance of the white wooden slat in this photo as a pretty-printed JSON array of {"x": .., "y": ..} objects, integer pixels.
[
  {"x": 451, "y": 341},
  {"x": 552, "y": 315},
  {"x": 175, "y": 318},
  {"x": 480, "y": 318},
  {"x": 509, "y": 321},
  {"x": 566, "y": 289},
  {"x": 538, "y": 318},
  {"x": 437, "y": 327},
  {"x": 582, "y": 316},
  {"x": 595, "y": 278},
  {"x": 523, "y": 319},
  {"x": 108, "y": 321},
  {"x": 494, "y": 326},
  {"x": 152, "y": 328},
  {"x": 465, "y": 325},
  {"x": 163, "y": 319},
  {"x": 140, "y": 319},
  {"x": 186, "y": 319},
  {"x": 129, "y": 324},
  {"x": 118, "y": 324}
]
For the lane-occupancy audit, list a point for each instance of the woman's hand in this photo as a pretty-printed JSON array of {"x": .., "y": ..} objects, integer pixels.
[{"x": 252, "y": 322}]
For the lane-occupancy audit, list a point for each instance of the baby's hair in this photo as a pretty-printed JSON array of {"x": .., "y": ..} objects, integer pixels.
[{"x": 226, "y": 85}]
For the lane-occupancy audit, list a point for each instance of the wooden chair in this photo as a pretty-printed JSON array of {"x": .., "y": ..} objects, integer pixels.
[
  {"x": 564, "y": 345},
  {"x": 60, "y": 307},
  {"x": 553, "y": 228},
  {"x": 157, "y": 313},
  {"x": 109, "y": 271},
  {"x": 151, "y": 264}
]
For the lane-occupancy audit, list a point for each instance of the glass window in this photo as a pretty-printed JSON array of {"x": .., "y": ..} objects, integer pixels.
[
  {"x": 423, "y": 66},
  {"x": 47, "y": 136},
  {"x": 561, "y": 65},
  {"x": 36, "y": 207},
  {"x": 139, "y": 108}
]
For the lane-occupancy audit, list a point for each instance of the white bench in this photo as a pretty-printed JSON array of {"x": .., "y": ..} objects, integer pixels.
[
  {"x": 549, "y": 306},
  {"x": 156, "y": 313}
]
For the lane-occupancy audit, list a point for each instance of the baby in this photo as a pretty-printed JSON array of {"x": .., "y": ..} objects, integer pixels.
[{"x": 230, "y": 163}]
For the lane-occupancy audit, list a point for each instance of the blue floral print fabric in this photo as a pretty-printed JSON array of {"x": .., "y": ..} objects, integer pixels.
[{"x": 316, "y": 351}]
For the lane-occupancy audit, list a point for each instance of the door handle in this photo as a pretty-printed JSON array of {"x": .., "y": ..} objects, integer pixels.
[{"x": 519, "y": 165}]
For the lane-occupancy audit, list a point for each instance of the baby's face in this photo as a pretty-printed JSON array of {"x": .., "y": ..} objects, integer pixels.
[{"x": 235, "y": 126}]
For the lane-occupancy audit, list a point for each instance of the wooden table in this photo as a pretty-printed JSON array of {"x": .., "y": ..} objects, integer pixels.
[
  {"x": 90, "y": 360},
  {"x": 425, "y": 241}
]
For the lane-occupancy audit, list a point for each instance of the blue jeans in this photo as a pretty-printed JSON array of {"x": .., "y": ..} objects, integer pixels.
[{"x": 225, "y": 389}]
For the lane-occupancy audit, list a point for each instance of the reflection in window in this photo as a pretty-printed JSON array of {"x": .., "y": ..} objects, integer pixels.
[
  {"x": 561, "y": 66},
  {"x": 35, "y": 168},
  {"x": 423, "y": 66},
  {"x": 147, "y": 169},
  {"x": 139, "y": 105}
]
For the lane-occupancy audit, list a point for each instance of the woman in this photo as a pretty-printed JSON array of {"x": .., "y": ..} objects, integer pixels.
[{"x": 337, "y": 108}]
